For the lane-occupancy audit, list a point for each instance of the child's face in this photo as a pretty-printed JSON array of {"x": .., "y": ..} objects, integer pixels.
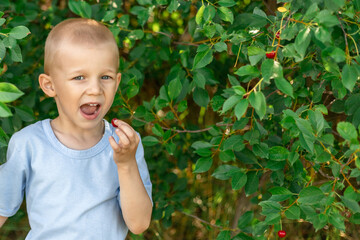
[{"x": 85, "y": 80}]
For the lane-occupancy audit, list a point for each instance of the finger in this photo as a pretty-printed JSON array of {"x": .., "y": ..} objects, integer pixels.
[
  {"x": 114, "y": 145},
  {"x": 129, "y": 131},
  {"x": 123, "y": 138}
]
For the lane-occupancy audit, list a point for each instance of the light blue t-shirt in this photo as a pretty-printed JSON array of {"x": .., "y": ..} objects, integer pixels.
[{"x": 70, "y": 194}]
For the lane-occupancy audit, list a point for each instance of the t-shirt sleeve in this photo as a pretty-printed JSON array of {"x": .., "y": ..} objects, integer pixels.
[{"x": 12, "y": 180}]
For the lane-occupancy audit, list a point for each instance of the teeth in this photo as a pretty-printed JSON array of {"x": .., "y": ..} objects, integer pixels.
[{"x": 93, "y": 104}]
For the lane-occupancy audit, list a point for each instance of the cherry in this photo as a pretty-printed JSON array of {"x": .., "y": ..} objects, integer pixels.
[
  {"x": 113, "y": 122},
  {"x": 271, "y": 54},
  {"x": 277, "y": 36},
  {"x": 281, "y": 233}
]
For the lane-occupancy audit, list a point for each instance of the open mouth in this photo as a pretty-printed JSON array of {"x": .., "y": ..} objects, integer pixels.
[{"x": 90, "y": 110}]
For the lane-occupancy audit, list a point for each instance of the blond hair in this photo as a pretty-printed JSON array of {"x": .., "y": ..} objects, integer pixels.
[{"x": 77, "y": 31}]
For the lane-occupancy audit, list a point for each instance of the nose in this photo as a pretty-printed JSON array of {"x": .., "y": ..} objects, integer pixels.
[{"x": 94, "y": 87}]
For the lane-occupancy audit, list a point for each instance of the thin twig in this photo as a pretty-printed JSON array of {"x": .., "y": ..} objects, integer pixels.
[
  {"x": 201, "y": 220},
  {"x": 346, "y": 41},
  {"x": 185, "y": 130}
]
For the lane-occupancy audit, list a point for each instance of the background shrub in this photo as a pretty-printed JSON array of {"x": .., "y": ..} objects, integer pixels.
[{"x": 248, "y": 109}]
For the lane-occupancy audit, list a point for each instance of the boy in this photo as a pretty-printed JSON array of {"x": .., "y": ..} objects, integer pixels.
[{"x": 83, "y": 178}]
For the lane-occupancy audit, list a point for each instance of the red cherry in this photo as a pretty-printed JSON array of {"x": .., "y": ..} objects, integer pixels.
[
  {"x": 281, "y": 233},
  {"x": 277, "y": 36},
  {"x": 113, "y": 122},
  {"x": 271, "y": 54}
]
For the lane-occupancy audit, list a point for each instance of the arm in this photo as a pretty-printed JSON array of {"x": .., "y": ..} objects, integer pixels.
[
  {"x": 2, "y": 220},
  {"x": 135, "y": 202}
]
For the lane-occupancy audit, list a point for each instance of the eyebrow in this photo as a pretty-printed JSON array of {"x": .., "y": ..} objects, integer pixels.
[{"x": 79, "y": 71}]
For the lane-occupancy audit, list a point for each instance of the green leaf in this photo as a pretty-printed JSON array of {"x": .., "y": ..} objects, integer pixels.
[
  {"x": 293, "y": 212},
  {"x": 323, "y": 35},
  {"x": 337, "y": 221},
  {"x": 239, "y": 90},
  {"x": 241, "y": 108},
  {"x": 220, "y": 46},
  {"x": 278, "y": 153},
  {"x": 253, "y": 51},
  {"x": 238, "y": 180},
  {"x": 150, "y": 141},
  {"x": 173, "y": 6},
  {"x": 311, "y": 12},
  {"x": 280, "y": 194},
  {"x": 310, "y": 195},
  {"x": 209, "y": 30},
  {"x": 245, "y": 219},
  {"x": 25, "y": 113},
  {"x": 349, "y": 76},
  {"x": 326, "y": 18},
  {"x": 4, "y": 111},
  {"x": 271, "y": 69},
  {"x": 248, "y": 70},
  {"x": 351, "y": 204},
  {"x": 203, "y": 165},
  {"x": 157, "y": 130},
  {"x": 174, "y": 88},
  {"x": 307, "y": 137},
  {"x": 320, "y": 221},
  {"x": 223, "y": 172},
  {"x": 201, "y": 97},
  {"x": 231, "y": 102},
  {"x": 273, "y": 218},
  {"x": 136, "y": 34},
  {"x": 227, "y": 155},
  {"x": 201, "y": 144},
  {"x": 124, "y": 21},
  {"x": 199, "y": 15},
  {"x": 9, "y": 92},
  {"x": 132, "y": 91},
  {"x": 109, "y": 15},
  {"x": 204, "y": 152},
  {"x": 335, "y": 5},
  {"x": 226, "y": 14},
  {"x": 284, "y": 86},
  {"x": 252, "y": 183},
  {"x": 347, "y": 130},
  {"x": 15, "y": 54},
  {"x": 80, "y": 8},
  {"x": 270, "y": 207},
  {"x": 209, "y": 13},
  {"x": 317, "y": 120},
  {"x": 224, "y": 235},
  {"x": 258, "y": 101},
  {"x": 203, "y": 58},
  {"x": 19, "y": 32},
  {"x": 235, "y": 142},
  {"x": 142, "y": 14},
  {"x": 302, "y": 41},
  {"x": 227, "y": 3},
  {"x": 2, "y": 51},
  {"x": 261, "y": 150}
]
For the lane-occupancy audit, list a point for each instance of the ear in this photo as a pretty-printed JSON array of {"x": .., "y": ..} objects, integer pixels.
[
  {"x": 118, "y": 80},
  {"x": 47, "y": 85}
]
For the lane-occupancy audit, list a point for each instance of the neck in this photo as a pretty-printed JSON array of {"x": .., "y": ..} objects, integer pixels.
[{"x": 75, "y": 137}]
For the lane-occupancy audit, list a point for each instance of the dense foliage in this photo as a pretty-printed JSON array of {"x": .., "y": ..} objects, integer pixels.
[{"x": 248, "y": 110}]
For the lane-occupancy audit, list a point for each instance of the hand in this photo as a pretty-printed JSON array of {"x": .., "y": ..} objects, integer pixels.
[{"x": 125, "y": 149}]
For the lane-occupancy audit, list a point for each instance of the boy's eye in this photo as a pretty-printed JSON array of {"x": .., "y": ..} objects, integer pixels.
[
  {"x": 79, "y": 78},
  {"x": 106, "y": 77}
]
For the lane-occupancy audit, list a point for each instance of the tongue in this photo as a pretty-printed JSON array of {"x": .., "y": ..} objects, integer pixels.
[{"x": 87, "y": 109}]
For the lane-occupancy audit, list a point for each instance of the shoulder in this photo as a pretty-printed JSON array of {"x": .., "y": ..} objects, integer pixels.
[{"x": 28, "y": 134}]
